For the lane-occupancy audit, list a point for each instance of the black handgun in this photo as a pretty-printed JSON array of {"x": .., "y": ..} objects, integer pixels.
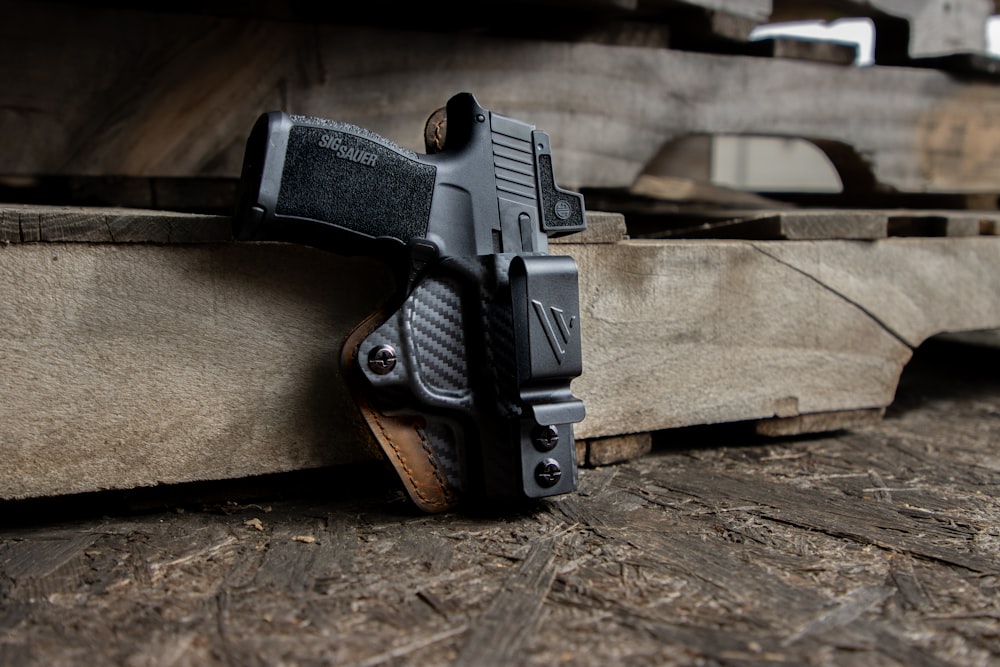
[{"x": 464, "y": 378}]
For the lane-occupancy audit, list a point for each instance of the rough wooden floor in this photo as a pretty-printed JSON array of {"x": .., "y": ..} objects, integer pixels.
[{"x": 874, "y": 547}]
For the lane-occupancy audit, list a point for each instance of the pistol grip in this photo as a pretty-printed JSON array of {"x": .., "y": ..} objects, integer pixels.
[{"x": 330, "y": 184}]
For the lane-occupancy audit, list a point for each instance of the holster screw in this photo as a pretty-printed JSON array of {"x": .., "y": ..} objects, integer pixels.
[
  {"x": 545, "y": 438},
  {"x": 548, "y": 473},
  {"x": 382, "y": 359}
]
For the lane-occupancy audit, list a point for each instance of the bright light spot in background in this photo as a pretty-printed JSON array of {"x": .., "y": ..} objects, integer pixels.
[
  {"x": 859, "y": 31},
  {"x": 771, "y": 164},
  {"x": 993, "y": 35},
  {"x": 775, "y": 164}
]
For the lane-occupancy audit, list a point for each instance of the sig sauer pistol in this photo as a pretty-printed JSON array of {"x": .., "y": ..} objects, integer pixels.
[{"x": 464, "y": 377}]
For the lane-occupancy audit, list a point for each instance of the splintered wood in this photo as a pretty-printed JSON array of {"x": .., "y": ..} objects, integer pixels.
[{"x": 879, "y": 546}]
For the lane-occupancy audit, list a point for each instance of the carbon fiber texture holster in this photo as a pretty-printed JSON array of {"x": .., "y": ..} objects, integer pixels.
[
  {"x": 447, "y": 385},
  {"x": 403, "y": 439}
]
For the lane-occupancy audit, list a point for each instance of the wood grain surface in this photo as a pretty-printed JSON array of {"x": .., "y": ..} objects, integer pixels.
[
  {"x": 925, "y": 28},
  {"x": 131, "y": 93},
  {"x": 130, "y": 364},
  {"x": 878, "y": 546}
]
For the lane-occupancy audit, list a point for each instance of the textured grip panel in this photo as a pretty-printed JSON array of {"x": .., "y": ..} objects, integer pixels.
[{"x": 355, "y": 183}]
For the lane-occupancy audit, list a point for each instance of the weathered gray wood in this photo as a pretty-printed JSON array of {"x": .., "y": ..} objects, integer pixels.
[
  {"x": 942, "y": 223},
  {"x": 602, "y": 227},
  {"x": 794, "y": 225},
  {"x": 25, "y": 223},
  {"x": 835, "y": 53},
  {"x": 131, "y": 365},
  {"x": 819, "y": 422},
  {"x": 940, "y": 27},
  {"x": 806, "y": 223},
  {"x": 717, "y": 328},
  {"x": 949, "y": 284},
  {"x": 758, "y": 10},
  {"x": 688, "y": 158},
  {"x": 663, "y": 188},
  {"x": 934, "y": 27},
  {"x": 617, "y": 448},
  {"x": 178, "y": 94},
  {"x": 134, "y": 364}
]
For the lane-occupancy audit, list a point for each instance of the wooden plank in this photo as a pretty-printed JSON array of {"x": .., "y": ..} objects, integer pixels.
[
  {"x": 179, "y": 93},
  {"x": 756, "y": 10},
  {"x": 941, "y": 223},
  {"x": 836, "y": 53},
  {"x": 940, "y": 27},
  {"x": 685, "y": 189},
  {"x": 922, "y": 28},
  {"x": 716, "y": 328},
  {"x": 31, "y": 223},
  {"x": 793, "y": 225},
  {"x": 716, "y": 26},
  {"x": 618, "y": 448},
  {"x": 943, "y": 293},
  {"x": 25, "y": 223},
  {"x": 819, "y": 422},
  {"x": 130, "y": 364},
  {"x": 815, "y": 223},
  {"x": 688, "y": 157},
  {"x": 192, "y": 195},
  {"x": 602, "y": 227}
]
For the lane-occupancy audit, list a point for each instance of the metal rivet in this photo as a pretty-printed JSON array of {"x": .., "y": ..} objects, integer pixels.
[
  {"x": 382, "y": 359},
  {"x": 545, "y": 438},
  {"x": 548, "y": 473},
  {"x": 481, "y": 118}
]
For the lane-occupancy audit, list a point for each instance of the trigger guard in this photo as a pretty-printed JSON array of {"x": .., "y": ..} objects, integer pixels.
[{"x": 416, "y": 360}]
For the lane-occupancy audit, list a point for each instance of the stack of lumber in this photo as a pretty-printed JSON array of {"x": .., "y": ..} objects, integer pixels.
[{"x": 142, "y": 345}]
